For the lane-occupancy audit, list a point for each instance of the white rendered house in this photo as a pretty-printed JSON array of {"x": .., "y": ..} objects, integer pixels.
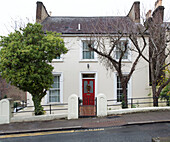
[{"x": 80, "y": 71}]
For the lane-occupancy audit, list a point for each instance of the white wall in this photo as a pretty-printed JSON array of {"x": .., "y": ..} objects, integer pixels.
[{"x": 72, "y": 66}]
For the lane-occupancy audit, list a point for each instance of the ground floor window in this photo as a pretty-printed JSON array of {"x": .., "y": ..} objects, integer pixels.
[
  {"x": 55, "y": 91},
  {"x": 120, "y": 90}
]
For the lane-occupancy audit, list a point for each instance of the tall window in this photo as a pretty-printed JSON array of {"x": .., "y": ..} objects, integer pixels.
[
  {"x": 122, "y": 48},
  {"x": 54, "y": 92},
  {"x": 87, "y": 52},
  {"x": 120, "y": 90}
]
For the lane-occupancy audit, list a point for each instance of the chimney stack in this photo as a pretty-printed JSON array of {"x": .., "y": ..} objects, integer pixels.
[
  {"x": 158, "y": 13},
  {"x": 158, "y": 3},
  {"x": 134, "y": 12},
  {"x": 41, "y": 12}
]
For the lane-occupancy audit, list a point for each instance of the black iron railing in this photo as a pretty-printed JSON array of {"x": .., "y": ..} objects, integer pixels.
[
  {"x": 132, "y": 102},
  {"x": 48, "y": 107}
]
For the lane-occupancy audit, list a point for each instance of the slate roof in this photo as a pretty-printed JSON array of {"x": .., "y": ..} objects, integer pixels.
[{"x": 88, "y": 25}]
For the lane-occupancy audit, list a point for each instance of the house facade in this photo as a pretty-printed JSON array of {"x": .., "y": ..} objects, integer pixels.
[{"x": 81, "y": 70}]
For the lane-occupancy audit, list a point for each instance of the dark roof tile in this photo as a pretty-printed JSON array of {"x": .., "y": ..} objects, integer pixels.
[{"x": 88, "y": 25}]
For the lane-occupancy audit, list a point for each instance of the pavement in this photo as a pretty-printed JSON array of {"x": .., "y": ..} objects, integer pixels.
[{"x": 86, "y": 123}]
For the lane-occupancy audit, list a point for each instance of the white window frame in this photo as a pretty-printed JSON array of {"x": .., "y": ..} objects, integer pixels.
[
  {"x": 81, "y": 50},
  {"x": 58, "y": 60},
  {"x": 129, "y": 51},
  {"x": 61, "y": 88},
  {"x": 129, "y": 95}
]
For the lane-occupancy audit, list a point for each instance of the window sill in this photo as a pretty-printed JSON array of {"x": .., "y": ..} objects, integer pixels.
[
  {"x": 55, "y": 103},
  {"x": 88, "y": 61},
  {"x": 125, "y": 61},
  {"x": 57, "y": 61}
]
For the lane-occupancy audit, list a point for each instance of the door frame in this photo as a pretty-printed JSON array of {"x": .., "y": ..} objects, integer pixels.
[{"x": 81, "y": 82}]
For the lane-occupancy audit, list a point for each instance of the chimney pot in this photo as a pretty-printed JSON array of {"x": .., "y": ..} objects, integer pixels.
[
  {"x": 158, "y": 3},
  {"x": 148, "y": 14},
  {"x": 79, "y": 27}
]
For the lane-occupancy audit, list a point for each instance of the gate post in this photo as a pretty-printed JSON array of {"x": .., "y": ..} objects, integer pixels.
[
  {"x": 73, "y": 107},
  {"x": 5, "y": 111},
  {"x": 101, "y": 105}
]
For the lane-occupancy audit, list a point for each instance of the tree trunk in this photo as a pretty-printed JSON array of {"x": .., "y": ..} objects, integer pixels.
[
  {"x": 155, "y": 101},
  {"x": 124, "y": 99},
  {"x": 38, "y": 109},
  {"x": 155, "y": 96},
  {"x": 167, "y": 102}
]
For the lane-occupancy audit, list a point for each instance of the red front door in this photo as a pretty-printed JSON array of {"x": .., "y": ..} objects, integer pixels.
[{"x": 88, "y": 91}]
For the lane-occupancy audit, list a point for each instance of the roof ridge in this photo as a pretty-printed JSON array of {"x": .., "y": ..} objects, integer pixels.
[{"x": 87, "y": 16}]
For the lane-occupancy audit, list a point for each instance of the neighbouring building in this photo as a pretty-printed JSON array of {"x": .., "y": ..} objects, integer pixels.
[
  {"x": 10, "y": 91},
  {"x": 81, "y": 69}
]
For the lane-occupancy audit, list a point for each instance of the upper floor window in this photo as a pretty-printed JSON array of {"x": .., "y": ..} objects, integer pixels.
[
  {"x": 58, "y": 58},
  {"x": 122, "y": 49},
  {"x": 87, "y": 52}
]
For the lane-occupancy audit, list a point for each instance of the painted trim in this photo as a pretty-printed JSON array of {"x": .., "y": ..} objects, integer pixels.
[
  {"x": 61, "y": 89},
  {"x": 59, "y": 60},
  {"x": 115, "y": 87},
  {"x": 80, "y": 82}
]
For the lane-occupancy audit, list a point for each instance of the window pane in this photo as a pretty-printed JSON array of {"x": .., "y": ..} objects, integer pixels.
[
  {"x": 125, "y": 55},
  {"x": 120, "y": 49},
  {"x": 91, "y": 85},
  {"x": 85, "y": 46},
  {"x": 119, "y": 95},
  {"x": 87, "y": 53},
  {"x": 119, "y": 90},
  {"x": 54, "y": 92},
  {"x": 118, "y": 54},
  {"x": 88, "y": 75},
  {"x": 58, "y": 57},
  {"x": 85, "y": 86},
  {"x": 92, "y": 54},
  {"x": 56, "y": 83},
  {"x": 54, "y": 96}
]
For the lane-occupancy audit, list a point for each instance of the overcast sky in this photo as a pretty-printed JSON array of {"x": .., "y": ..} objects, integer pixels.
[{"x": 12, "y": 11}]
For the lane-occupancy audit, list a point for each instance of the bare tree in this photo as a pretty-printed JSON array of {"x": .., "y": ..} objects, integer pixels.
[
  {"x": 159, "y": 52},
  {"x": 159, "y": 37},
  {"x": 111, "y": 37}
]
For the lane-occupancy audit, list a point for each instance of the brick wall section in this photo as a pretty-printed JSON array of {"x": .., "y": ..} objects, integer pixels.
[{"x": 87, "y": 110}]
